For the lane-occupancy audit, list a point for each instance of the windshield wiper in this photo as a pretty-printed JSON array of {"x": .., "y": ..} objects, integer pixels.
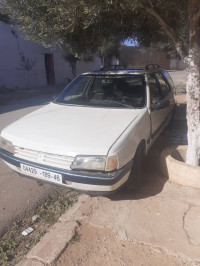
[
  {"x": 70, "y": 104},
  {"x": 120, "y": 103}
]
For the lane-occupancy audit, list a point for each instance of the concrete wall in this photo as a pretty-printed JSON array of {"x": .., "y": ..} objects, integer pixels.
[
  {"x": 88, "y": 66},
  {"x": 177, "y": 64},
  {"x": 15, "y": 52},
  {"x": 133, "y": 57}
]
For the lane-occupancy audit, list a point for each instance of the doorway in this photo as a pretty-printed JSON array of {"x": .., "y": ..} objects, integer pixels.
[{"x": 49, "y": 65}]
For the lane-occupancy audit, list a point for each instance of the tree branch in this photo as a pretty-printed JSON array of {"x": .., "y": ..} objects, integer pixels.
[
  {"x": 196, "y": 16},
  {"x": 193, "y": 13},
  {"x": 169, "y": 31}
]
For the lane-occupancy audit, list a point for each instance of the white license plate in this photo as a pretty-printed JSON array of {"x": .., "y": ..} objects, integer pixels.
[{"x": 40, "y": 173}]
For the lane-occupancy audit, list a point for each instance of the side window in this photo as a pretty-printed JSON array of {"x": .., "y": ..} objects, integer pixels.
[
  {"x": 168, "y": 77},
  {"x": 165, "y": 89},
  {"x": 154, "y": 89}
]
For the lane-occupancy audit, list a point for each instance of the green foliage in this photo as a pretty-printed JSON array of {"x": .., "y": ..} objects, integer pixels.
[
  {"x": 89, "y": 25},
  {"x": 110, "y": 48},
  {"x": 134, "y": 19},
  {"x": 75, "y": 23}
]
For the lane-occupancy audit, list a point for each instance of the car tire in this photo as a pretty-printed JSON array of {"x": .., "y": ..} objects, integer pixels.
[{"x": 134, "y": 181}]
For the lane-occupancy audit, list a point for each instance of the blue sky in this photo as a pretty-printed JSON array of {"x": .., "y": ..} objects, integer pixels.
[{"x": 130, "y": 42}]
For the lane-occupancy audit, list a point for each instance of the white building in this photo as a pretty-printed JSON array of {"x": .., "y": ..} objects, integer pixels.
[{"x": 26, "y": 64}]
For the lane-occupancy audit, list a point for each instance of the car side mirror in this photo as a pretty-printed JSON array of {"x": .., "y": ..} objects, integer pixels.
[{"x": 161, "y": 104}]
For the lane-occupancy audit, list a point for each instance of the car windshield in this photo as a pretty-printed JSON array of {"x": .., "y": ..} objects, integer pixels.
[{"x": 117, "y": 91}]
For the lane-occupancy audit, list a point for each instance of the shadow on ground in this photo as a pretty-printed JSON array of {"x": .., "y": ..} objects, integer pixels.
[
  {"x": 153, "y": 180},
  {"x": 15, "y": 100},
  {"x": 21, "y": 104},
  {"x": 175, "y": 134}
]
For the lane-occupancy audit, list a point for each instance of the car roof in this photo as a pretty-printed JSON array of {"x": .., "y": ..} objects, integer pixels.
[{"x": 122, "y": 70}]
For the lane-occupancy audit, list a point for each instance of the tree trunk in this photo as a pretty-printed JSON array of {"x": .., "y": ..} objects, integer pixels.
[
  {"x": 192, "y": 61},
  {"x": 193, "y": 111},
  {"x": 73, "y": 65},
  {"x": 102, "y": 60},
  {"x": 193, "y": 86}
]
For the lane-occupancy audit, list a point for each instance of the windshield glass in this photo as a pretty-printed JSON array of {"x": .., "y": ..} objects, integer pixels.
[{"x": 105, "y": 91}]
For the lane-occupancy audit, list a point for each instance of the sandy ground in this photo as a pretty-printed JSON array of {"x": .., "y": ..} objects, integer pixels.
[
  {"x": 100, "y": 246},
  {"x": 160, "y": 225},
  {"x": 178, "y": 76}
]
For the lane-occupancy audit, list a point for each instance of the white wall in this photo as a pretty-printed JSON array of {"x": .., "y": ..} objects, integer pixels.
[
  {"x": 13, "y": 75},
  {"x": 12, "y": 48},
  {"x": 62, "y": 68},
  {"x": 176, "y": 64},
  {"x": 88, "y": 66}
]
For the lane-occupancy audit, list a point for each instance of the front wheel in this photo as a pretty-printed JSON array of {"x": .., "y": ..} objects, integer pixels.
[{"x": 135, "y": 178}]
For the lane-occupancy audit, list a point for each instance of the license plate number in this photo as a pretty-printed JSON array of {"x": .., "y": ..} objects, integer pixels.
[{"x": 42, "y": 174}]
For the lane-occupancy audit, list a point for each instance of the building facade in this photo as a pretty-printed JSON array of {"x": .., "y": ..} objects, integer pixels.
[{"x": 25, "y": 64}]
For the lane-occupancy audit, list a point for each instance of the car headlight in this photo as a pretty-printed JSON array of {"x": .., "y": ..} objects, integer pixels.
[
  {"x": 99, "y": 163},
  {"x": 6, "y": 145}
]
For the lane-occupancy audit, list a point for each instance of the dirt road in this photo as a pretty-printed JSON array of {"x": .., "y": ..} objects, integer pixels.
[{"x": 18, "y": 195}]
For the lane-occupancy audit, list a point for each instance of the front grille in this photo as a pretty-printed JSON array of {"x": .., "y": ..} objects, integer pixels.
[{"x": 59, "y": 161}]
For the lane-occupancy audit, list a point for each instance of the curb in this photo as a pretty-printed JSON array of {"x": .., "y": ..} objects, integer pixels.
[
  {"x": 178, "y": 171},
  {"x": 53, "y": 243}
]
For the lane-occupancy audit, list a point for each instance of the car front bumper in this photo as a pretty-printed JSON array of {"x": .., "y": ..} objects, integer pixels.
[{"x": 81, "y": 180}]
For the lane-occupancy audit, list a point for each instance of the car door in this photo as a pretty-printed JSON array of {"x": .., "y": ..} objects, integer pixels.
[
  {"x": 156, "y": 95},
  {"x": 167, "y": 93}
]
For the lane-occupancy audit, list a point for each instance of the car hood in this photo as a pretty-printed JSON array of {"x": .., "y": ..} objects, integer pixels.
[{"x": 70, "y": 130}]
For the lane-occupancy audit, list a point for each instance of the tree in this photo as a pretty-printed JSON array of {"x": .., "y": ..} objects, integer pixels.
[
  {"x": 188, "y": 49},
  {"x": 109, "y": 50},
  {"x": 87, "y": 24},
  {"x": 72, "y": 60},
  {"x": 72, "y": 57}
]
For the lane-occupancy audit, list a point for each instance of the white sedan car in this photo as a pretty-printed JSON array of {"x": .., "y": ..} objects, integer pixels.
[{"x": 95, "y": 134}]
